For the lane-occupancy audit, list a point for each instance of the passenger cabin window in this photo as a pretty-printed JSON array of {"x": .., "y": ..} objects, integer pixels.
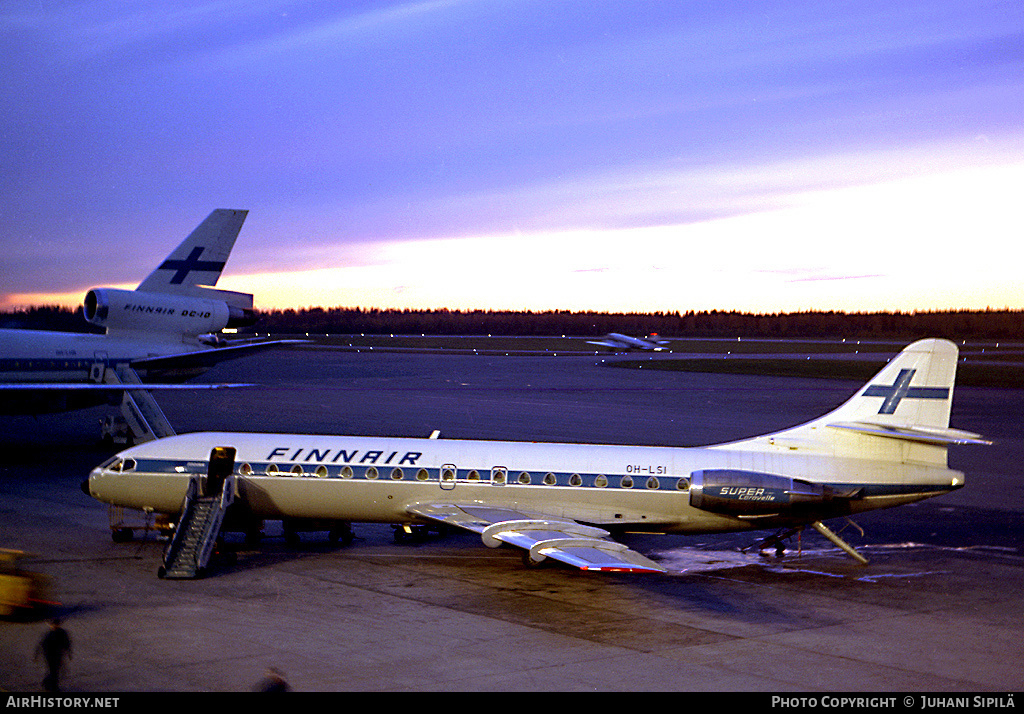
[
  {"x": 524, "y": 478},
  {"x": 346, "y": 472},
  {"x": 448, "y": 475},
  {"x": 272, "y": 468},
  {"x": 396, "y": 474},
  {"x": 372, "y": 473},
  {"x": 652, "y": 484},
  {"x": 601, "y": 481},
  {"x": 626, "y": 482},
  {"x": 321, "y": 471},
  {"x": 474, "y": 475},
  {"x": 549, "y": 479},
  {"x": 245, "y": 470},
  {"x": 575, "y": 480},
  {"x": 422, "y": 475},
  {"x": 297, "y": 470},
  {"x": 498, "y": 475}
]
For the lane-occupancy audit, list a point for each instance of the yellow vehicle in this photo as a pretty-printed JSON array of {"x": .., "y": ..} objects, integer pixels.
[{"x": 22, "y": 592}]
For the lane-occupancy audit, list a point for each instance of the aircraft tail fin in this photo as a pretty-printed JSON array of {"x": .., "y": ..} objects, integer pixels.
[
  {"x": 915, "y": 389},
  {"x": 200, "y": 258},
  {"x": 902, "y": 413}
]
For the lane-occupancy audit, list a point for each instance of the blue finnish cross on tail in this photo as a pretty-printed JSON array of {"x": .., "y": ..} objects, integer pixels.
[
  {"x": 192, "y": 262},
  {"x": 901, "y": 389}
]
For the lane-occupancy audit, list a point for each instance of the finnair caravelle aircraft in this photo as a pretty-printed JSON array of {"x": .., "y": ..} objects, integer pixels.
[
  {"x": 619, "y": 342},
  {"x": 166, "y": 329},
  {"x": 884, "y": 447}
]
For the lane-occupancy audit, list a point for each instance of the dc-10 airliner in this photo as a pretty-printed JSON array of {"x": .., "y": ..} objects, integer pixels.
[
  {"x": 160, "y": 334},
  {"x": 884, "y": 447}
]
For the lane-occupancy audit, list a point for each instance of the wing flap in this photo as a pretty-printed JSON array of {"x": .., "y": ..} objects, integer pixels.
[
  {"x": 594, "y": 554},
  {"x": 564, "y": 540}
]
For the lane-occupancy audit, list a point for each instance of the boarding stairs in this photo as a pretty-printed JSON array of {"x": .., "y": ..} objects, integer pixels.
[
  {"x": 145, "y": 418},
  {"x": 195, "y": 537}
]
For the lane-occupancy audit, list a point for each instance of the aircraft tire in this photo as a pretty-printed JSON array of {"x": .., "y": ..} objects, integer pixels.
[{"x": 122, "y": 535}]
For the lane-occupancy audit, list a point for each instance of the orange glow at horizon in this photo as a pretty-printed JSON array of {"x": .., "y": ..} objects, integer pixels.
[{"x": 933, "y": 242}]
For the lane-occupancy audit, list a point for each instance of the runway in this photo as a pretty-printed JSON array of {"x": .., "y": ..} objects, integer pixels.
[{"x": 938, "y": 609}]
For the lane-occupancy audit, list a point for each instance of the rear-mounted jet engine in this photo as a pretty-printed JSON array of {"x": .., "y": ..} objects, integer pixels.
[{"x": 750, "y": 493}]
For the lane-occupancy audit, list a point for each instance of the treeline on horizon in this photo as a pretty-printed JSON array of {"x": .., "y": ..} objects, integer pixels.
[{"x": 955, "y": 324}]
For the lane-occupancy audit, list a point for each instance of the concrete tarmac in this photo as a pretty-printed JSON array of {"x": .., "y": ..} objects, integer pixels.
[{"x": 938, "y": 609}]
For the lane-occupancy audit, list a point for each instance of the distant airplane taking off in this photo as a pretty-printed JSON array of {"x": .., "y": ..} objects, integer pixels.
[
  {"x": 620, "y": 343},
  {"x": 884, "y": 447},
  {"x": 166, "y": 329}
]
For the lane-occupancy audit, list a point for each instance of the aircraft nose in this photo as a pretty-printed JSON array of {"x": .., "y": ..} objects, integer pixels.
[{"x": 89, "y": 481}]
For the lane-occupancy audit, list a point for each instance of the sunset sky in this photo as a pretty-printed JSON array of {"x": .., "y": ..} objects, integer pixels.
[{"x": 621, "y": 156}]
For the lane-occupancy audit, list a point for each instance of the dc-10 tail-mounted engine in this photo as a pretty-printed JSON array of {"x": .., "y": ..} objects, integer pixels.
[{"x": 134, "y": 310}]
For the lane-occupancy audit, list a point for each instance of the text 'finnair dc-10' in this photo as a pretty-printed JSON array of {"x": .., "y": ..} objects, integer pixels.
[{"x": 884, "y": 447}]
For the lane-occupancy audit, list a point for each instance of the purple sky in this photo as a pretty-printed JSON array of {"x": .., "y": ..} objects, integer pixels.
[{"x": 604, "y": 155}]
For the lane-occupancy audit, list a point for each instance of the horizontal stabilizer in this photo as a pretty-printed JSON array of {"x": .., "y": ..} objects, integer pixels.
[{"x": 920, "y": 434}]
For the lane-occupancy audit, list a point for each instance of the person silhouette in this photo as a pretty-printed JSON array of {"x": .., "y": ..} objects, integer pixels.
[{"x": 54, "y": 645}]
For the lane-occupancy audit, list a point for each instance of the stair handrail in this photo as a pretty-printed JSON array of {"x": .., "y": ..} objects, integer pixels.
[{"x": 227, "y": 497}]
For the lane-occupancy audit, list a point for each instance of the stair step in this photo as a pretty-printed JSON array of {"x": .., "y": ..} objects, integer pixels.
[{"x": 198, "y": 527}]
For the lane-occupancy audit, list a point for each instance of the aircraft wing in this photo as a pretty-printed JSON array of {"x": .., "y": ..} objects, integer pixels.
[
  {"x": 565, "y": 540},
  {"x": 207, "y": 358},
  {"x": 101, "y": 387}
]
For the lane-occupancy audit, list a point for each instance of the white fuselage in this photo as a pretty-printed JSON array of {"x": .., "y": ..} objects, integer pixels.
[
  {"x": 45, "y": 356},
  {"x": 378, "y": 479},
  {"x": 53, "y": 359}
]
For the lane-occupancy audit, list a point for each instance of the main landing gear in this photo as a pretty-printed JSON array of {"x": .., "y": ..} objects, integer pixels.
[
  {"x": 337, "y": 531},
  {"x": 777, "y": 540},
  {"x": 415, "y": 532}
]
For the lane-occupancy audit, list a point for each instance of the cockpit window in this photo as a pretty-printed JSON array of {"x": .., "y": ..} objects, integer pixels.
[
  {"x": 120, "y": 465},
  {"x": 106, "y": 465}
]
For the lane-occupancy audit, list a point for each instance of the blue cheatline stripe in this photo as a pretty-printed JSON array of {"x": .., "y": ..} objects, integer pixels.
[{"x": 359, "y": 472}]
